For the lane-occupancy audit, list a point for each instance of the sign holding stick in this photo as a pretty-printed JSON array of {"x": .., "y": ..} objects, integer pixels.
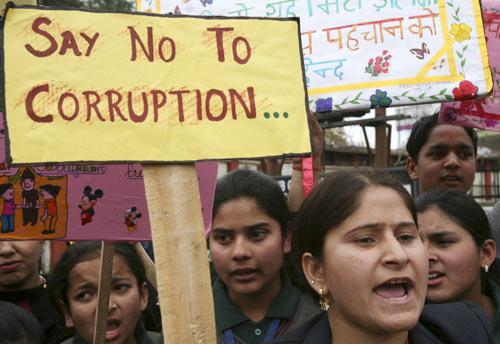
[
  {"x": 103, "y": 292},
  {"x": 180, "y": 249}
]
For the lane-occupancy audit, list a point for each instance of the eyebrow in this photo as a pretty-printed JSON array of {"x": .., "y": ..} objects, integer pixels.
[
  {"x": 378, "y": 225},
  {"x": 445, "y": 146},
  {"x": 439, "y": 235},
  {"x": 86, "y": 285},
  {"x": 117, "y": 279},
  {"x": 254, "y": 226}
]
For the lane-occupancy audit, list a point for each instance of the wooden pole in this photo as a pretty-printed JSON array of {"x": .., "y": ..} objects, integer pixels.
[
  {"x": 182, "y": 270},
  {"x": 148, "y": 263},
  {"x": 103, "y": 292},
  {"x": 381, "y": 146}
]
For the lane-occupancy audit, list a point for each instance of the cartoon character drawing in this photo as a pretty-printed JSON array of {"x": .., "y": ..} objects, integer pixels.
[
  {"x": 49, "y": 193},
  {"x": 87, "y": 204},
  {"x": 131, "y": 216},
  {"x": 30, "y": 203},
  {"x": 7, "y": 193}
]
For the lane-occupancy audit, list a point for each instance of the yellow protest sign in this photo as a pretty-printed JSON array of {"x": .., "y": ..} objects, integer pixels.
[{"x": 91, "y": 86}]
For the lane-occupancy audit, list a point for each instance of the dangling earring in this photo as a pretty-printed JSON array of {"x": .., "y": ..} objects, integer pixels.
[
  {"x": 209, "y": 254},
  {"x": 486, "y": 268},
  {"x": 324, "y": 301}
]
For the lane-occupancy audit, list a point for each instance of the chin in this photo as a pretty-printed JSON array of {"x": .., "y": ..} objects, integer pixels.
[{"x": 399, "y": 323}]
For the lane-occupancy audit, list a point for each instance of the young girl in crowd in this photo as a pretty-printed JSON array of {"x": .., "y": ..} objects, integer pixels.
[
  {"x": 254, "y": 298},
  {"x": 362, "y": 254},
  {"x": 22, "y": 285},
  {"x": 461, "y": 251},
  {"x": 74, "y": 285}
]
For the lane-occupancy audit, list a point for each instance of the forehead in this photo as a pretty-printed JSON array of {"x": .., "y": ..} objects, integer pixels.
[
  {"x": 435, "y": 223},
  {"x": 237, "y": 209},
  {"x": 374, "y": 203},
  {"x": 88, "y": 271},
  {"x": 448, "y": 135}
]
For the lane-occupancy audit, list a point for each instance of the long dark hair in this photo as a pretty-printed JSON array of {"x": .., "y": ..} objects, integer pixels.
[{"x": 462, "y": 209}]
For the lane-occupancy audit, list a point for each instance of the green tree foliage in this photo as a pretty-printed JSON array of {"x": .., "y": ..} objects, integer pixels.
[
  {"x": 113, "y": 5},
  {"x": 61, "y": 3}
]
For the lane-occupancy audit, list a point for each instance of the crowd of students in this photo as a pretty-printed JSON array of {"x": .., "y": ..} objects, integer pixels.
[{"x": 361, "y": 261}]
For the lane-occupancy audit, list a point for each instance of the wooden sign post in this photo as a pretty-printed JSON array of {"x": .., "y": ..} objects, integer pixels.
[
  {"x": 103, "y": 292},
  {"x": 184, "y": 286}
]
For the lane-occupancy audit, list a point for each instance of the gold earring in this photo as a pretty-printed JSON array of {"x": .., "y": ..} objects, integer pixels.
[{"x": 324, "y": 301}]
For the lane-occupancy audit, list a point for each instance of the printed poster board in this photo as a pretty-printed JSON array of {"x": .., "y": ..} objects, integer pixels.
[
  {"x": 485, "y": 113},
  {"x": 361, "y": 54},
  {"x": 83, "y": 201}
]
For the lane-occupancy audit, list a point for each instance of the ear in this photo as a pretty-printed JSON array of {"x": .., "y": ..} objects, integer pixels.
[
  {"x": 488, "y": 252},
  {"x": 314, "y": 271},
  {"x": 68, "y": 319},
  {"x": 143, "y": 294},
  {"x": 287, "y": 243},
  {"x": 412, "y": 168}
]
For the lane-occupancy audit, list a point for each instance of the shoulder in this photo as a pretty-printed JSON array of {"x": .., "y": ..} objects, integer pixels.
[
  {"x": 306, "y": 310},
  {"x": 154, "y": 337},
  {"x": 456, "y": 323},
  {"x": 315, "y": 331},
  {"x": 68, "y": 341}
]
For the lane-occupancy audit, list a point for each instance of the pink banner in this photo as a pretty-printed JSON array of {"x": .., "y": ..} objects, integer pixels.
[
  {"x": 485, "y": 113},
  {"x": 83, "y": 201}
]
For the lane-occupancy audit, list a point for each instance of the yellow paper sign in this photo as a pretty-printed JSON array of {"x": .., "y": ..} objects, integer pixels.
[{"x": 89, "y": 86}]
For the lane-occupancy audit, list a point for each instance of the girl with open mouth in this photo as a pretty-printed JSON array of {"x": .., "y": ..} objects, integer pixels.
[
  {"x": 461, "y": 250},
  {"x": 363, "y": 257},
  {"x": 74, "y": 287}
]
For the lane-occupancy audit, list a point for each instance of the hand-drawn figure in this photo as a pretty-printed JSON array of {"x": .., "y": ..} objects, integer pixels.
[
  {"x": 7, "y": 193},
  {"x": 30, "y": 203},
  {"x": 49, "y": 193},
  {"x": 88, "y": 203},
  {"x": 131, "y": 216}
]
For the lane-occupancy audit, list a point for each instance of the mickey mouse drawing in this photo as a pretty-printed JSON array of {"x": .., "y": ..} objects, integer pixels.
[
  {"x": 131, "y": 216},
  {"x": 87, "y": 204}
]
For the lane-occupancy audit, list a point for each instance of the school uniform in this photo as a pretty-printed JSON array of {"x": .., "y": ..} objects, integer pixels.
[
  {"x": 496, "y": 319},
  {"x": 288, "y": 310},
  {"x": 450, "y": 323},
  {"x": 141, "y": 336}
]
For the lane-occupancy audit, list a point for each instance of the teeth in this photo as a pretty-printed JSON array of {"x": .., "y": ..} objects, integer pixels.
[{"x": 433, "y": 275}]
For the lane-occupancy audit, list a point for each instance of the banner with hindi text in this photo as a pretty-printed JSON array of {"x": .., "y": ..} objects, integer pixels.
[{"x": 361, "y": 54}]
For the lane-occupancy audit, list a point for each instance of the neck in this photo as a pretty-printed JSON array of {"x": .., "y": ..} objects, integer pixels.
[
  {"x": 256, "y": 305},
  {"x": 485, "y": 302},
  {"x": 28, "y": 284},
  {"x": 343, "y": 333}
]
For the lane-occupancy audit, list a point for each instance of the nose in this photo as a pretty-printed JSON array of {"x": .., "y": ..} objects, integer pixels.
[
  {"x": 6, "y": 248},
  {"x": 395, "y": 254},
  {"x": 451, "y": 160},
  {"x": 431, "y": 254},
  {"x": 241, "y": 250},
  {"x": 112, "y": 302}
]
